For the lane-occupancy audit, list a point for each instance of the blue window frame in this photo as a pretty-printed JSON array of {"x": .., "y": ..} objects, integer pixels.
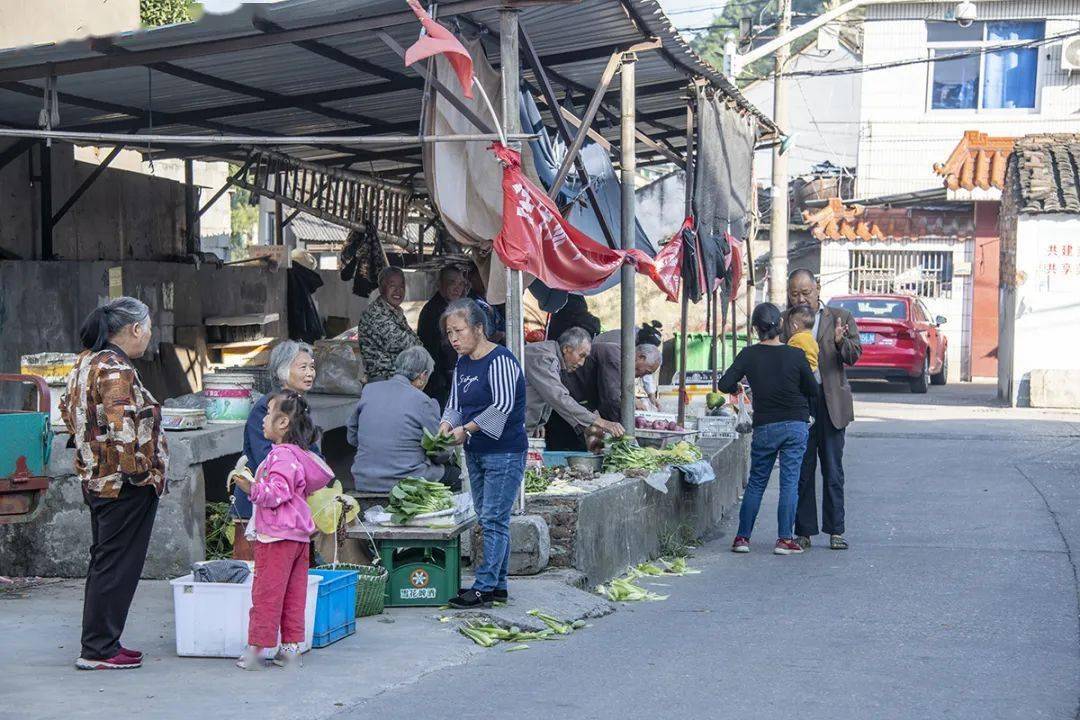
[{"x": 979, "y": 71}]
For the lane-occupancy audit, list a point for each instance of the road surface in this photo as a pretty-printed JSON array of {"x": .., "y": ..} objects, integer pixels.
[{"x": 958, "y": 598}]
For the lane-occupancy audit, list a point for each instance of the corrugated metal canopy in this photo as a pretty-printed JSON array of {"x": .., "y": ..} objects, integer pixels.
[{"x": 303, "y": 68}]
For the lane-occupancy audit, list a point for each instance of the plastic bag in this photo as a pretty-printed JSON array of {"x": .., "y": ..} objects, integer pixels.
[
  {"x": 327, "y": 505},
  {"x": 743, "y": 421},
  {"x": 340, "y": 370}
]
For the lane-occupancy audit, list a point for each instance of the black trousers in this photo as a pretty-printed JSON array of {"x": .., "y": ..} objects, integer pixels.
[
  {"x": 120, "y": 529},
  {"x": 827, "y": 444}
]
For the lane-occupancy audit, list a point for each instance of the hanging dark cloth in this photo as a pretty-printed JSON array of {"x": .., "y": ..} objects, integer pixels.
[
  {"x": 693, "y": 272},
  {"x": 575, "y": 313},
  {"x": 362, "y": 259},
  {"x": 723, "y": 183},
  {"x": 304, "y": 321}
]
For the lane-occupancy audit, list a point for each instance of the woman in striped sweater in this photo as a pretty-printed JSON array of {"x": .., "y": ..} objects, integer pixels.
[{"x": 486, "y": 412}]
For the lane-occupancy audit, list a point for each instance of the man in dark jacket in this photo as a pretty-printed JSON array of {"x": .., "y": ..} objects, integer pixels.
[
  {"x": 838, "y": 339},
  {"x": 428, "y": 327}
]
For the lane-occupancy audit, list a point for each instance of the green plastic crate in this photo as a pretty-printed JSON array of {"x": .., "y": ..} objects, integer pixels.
[{"x": 422, "y": 573}]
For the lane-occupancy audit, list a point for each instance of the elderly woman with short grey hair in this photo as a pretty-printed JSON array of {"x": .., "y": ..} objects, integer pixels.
[
  {"x": 122, "y": 459},
  {"x": 291, "y": 367},
  {"x": 383, "y": 331},
  {"x": 388, "y": 424}
]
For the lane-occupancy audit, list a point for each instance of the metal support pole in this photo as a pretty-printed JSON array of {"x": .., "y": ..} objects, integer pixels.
[
  {"x": 45, "y": 170},
  {"x": 511, "y": 121},
  {"x": 778, "y": 229},
  {"x": 191, "y": 208},
  {"x": 628, "y": 146},
  {"x": 714, "y": 351},
  {"x": 684, "y": 310}
]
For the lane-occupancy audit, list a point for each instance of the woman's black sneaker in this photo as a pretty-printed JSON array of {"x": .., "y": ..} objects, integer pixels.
[
  {"x": 500, "y": 595},
  {"x": 469, "y": 599}
]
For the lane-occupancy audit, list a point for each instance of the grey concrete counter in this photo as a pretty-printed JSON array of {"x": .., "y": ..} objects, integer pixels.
[{"x": 56, "y": 541}]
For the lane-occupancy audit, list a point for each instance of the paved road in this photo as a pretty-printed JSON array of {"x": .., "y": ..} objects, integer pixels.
[{"x": 958, "y": 598}]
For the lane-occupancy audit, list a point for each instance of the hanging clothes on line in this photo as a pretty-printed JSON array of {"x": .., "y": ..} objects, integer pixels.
[{"x": 362, "y": 259}]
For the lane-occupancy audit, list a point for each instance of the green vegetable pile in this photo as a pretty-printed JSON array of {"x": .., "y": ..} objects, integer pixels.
[
  {"x": 488, "y": 635},
  {"x": 624, "y": 590},
  {"x": 435, "y": 444},
  {"x": 537, "y": 479},
  {"x": 416, "y": 496},
  {"x": 626, "y": 454}
]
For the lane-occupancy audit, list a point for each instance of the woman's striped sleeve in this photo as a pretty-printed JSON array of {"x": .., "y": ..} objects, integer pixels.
[{"x": 503, "y": 376}]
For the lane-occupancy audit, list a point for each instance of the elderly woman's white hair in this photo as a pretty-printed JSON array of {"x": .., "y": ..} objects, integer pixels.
[
  {"x": 281, "y": 359},
  {"x": 413, "y": 362}
]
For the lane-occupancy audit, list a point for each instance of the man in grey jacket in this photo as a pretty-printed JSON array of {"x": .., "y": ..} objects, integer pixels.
[
  {"x": 837, "y": 336},
  {"x": 388, "y": 424},
  {"x": 544, "y": 388}
]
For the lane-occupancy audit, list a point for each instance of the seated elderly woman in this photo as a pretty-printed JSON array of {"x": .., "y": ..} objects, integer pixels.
[
  {"x": 388, "y": 424},
  {"x": 383, "y": 331}
]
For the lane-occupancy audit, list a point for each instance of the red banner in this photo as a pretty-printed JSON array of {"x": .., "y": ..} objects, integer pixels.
[
  {"x": 537, "y": 239},
  {"x": 440, "y": 40},
  {"x": 666, "y": 268}
]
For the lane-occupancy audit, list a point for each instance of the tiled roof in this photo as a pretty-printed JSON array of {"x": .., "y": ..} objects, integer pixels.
[
  {"x": 837, "y": 221},
  {"x": 977, "y": 162},
  {"x": 310, "y": 228},
  {"x": 1046, "y": 169}
]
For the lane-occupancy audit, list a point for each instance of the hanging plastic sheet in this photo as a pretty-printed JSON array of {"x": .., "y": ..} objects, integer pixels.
[{"x": 723, "y": 182}]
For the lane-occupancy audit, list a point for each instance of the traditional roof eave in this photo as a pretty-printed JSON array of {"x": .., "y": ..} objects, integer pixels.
[{"x": 975, "y": 170}]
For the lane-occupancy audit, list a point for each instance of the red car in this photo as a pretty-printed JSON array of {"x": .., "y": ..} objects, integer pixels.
[{"x": 900, "y": 342}]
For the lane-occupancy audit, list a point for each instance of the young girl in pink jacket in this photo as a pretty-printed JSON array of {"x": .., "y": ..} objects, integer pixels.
[{"x": 283, "y": 529}]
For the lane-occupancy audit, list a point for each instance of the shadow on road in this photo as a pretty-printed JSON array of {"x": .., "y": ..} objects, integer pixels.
[{"x": 956, "y": 395}]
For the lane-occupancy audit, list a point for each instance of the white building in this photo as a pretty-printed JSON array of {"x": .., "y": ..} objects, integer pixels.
[{"x": 922, "y": 119}]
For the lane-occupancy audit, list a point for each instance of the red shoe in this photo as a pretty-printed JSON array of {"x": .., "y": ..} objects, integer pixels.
[
  {"x": 787, "y": 546},
  {"x": 119, "y": 661},
  {"x": 741, "y": 544},
  {"x": 137, "y": 654}
]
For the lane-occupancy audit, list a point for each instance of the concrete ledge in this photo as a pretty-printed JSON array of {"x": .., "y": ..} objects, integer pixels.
[
  {"x": 602, "y": 532},
  {"x": 1054, "y": 389}
]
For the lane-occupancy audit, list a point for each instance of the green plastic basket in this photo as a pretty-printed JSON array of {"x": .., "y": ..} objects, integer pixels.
[{"x": 370, "y": 587}]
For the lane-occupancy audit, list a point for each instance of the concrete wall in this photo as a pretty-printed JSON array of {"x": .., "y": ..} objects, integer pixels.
[
  {"x": 43, "y": 303},
  {"x": 1040, "y": 314},
  {"x": 900, "y": 139},
  {"x": 661, "y": 206},
  {"x": 835, "y": 280},
  {"x": 31, "y": 22},
  {"x": 123, "y": 216},
  {"x": 603, "y": 532}
]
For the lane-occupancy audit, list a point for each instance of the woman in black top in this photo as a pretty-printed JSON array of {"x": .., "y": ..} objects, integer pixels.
[{"x": 782, "y": 385}]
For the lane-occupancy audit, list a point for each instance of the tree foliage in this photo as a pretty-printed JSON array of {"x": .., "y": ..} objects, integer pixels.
[
  {"x": 166, "y": 12},
  {"x": 710, "y": 44}
]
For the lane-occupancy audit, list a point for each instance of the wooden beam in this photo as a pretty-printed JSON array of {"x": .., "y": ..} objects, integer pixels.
[{"x": 586, "y": 120}]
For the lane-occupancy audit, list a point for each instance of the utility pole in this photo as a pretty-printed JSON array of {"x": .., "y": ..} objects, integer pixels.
[{"x": 778, "y": 233}]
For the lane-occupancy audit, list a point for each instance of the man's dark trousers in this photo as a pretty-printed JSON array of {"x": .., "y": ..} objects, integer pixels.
[
  {"x": 827, "y": 443},
  {"x": 120, "y": 531}
]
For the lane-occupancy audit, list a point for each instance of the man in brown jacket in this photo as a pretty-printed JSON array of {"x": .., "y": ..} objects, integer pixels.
[{"x": 838, "y": 339}]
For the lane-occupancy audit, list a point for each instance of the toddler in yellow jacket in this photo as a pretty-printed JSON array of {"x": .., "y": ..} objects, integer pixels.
[{"x": 800, "y": 328}]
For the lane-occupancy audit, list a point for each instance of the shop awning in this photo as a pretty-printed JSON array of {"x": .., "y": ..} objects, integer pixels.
[{"x": 302, "y": 68}]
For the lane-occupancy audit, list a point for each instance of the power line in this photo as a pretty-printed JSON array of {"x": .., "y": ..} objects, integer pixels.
[{"x": 974, "y": 52}]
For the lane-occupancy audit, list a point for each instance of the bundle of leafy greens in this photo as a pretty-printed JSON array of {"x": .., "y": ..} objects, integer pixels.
[{"x": 416, "y": 496}]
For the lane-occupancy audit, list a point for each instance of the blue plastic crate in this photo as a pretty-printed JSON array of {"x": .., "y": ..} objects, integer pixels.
[{"x": 335, "y": 610}]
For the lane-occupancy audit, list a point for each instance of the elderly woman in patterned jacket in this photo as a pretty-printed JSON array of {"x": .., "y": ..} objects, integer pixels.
[
  {"x": 121, "y": 458},
  {"x": 383, "y": 331}
]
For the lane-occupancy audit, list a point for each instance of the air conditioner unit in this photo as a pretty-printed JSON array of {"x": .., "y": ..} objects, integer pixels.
[{"x": 1070, "y": 54}]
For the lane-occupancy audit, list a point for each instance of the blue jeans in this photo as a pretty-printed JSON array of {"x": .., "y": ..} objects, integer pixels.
[
  {"x": 495, "y": 479},
  {"x": 788, "y": 441}
]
